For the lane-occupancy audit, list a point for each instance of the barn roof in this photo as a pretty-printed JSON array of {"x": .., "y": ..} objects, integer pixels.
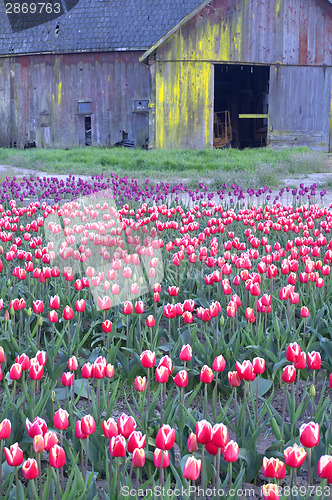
[{"x": 91, "y": 25}]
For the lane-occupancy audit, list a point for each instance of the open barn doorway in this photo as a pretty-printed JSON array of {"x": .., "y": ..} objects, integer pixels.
[{"x": 241, "y": 99}]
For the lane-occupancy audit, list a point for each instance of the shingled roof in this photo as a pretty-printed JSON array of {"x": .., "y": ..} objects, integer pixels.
[{"x": 91, "y": 25}]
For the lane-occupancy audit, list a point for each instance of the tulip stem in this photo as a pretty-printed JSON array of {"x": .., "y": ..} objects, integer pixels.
[
  {"x": 88, "y": 394},
  {"x": 230, "y": 475},
  {"x": 58, "y": 484},
  {"x": 203, "y": 473},
  {"x": 1, "y": 453},
  {"x": 86, "y": 458},
  {"x": 215, "y": 396},
  {"x": 31, "y": 490},
  {"x": 16, "y": 482},
  {"x": 14, "y": 390},
  {"x": 82, "y": 458},
  {"x": 218, "y": 470},
  {"x": 161, "y": 404},
  {"x": 98, "y": 396},
  {"x": 284, "y": 412},
  {"x": 169, "y": 336},
  {"x": 309, "y": 467},
  {"x": 257, "y": 388},
  {"x": 40, "y": 476},
  {"x": 118, "y": 477},
  {"x": 205, "y": 401},
  {"x": 127, "y": 331},
  {"x": 235, "y": 413},
  {"x": 189, "y": 486}
]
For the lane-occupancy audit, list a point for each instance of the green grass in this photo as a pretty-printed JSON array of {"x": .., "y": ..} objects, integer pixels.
[{"x": 255, "y": 167}]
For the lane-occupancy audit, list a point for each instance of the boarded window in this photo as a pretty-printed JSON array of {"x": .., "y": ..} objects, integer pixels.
[{"x": 84, "y": 107}]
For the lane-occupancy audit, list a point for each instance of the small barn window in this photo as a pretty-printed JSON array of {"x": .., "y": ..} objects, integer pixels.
[
  {"x": 84, "y": 107},
  {"x": 88, "y": 135}
]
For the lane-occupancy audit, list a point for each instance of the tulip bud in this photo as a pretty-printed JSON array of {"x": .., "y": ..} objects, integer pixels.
[
  {"x": 192, "y": 468},
  {"x": 192, "y": 443},
  {"x": 165, "y": 438},
  {"x": 118, "y": 446},
  {"x": 140, "y": 384},
  {"x": 38, "y": 443},
  {"x": 57, "y": 457},
  {"x": 138, "y": 459},
  {"x": 157, "y": 458},
  {"x": 231, "y": 452},
  {"x": 30, "y": 469},
  {"x": 309, "y": 434}
]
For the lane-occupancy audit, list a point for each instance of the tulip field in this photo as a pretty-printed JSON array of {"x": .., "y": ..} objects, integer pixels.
[{"x": 158, "y": 342}]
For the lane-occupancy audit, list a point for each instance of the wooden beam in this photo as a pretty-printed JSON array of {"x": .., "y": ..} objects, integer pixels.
[{"x": 254, "y": 116}]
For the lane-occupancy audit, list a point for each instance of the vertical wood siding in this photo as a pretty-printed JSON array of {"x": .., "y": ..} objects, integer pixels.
[
  {"x": 33, "y": 86},
  {"x": 279, "y": 33}
]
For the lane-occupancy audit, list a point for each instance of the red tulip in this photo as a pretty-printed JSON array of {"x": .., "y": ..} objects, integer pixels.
[
  {"x": 98, "y": 370},
  {"x": 138, "y": 459},
  {"x": 165, "y": 438},
  {"x": 169, "y": 311},
  {"x": 162, "y": 374},
  {"x": 157, "y": 458},
  {"x": 192, "y": 468},
  {"x": 181, "y": 379},
  {"x": 139, "y": 307},
  {"x": 30, "y": 469},
  {"x": 314, "y": 360},
  {"x": 309, "y": 434},
  {"x": 88, "y": 425},
  {"x": 67, "y": 379},
  {"x": 50, "y": 439},
  {"x": 87, "y": 370},
  {"x": 186, "y": 353},
  {"x": 167, "y": 363},
  {"x": 110, "y": 428},
  {"x": 127, "y": 308},
  {"x": 53, "y": 316},
  {"x": 2, "y": 355},
  {"x": 38, "y": 306},
  {"x": 14, "y": 455},
  {"x": 54, "y": 302},
  {"x": 231, "y": 452},
  {"x": 36, "y": 371},
  {"x": 301, "y": 362},
  {"x": 294, "y": 456},
  {"x": 38, "y": 426},
  {"x": 15, "y": 371},
  {"x": 150, "y": 321},
  {"x": 304, "y": 312},
  {"x": 273, "y": 467},
  {"x": 173, "y": 291},
  {"x": 324, "y": 467},
  {"x": 220, "y": 435},
  {"x": 192, "y": 443},
  {"x": 293, "y": 351},
  {"x": 245, "y": 370},
  {"x": 68, "y": 313},
  {"x": 270, "y": 491},
  {"x": 38, "y": 443},
  {"x": 203, "y": 432},
  {"x": 24, "y": 361},
  {"x": 234, "y": 379},
  {"x": 72, "y": 363},
  {"x": 219, "y": 364},
  {"x": 57, "y": 457},
  {"x": 80, "y": 305},
  {"x": 136, "y": 440},
  {"x": 126, "y": 425},
  {"x": 105, "y": 303},
  {"x": 78, "y": 431},
  {"x": 107, "y": 326},
  {"x": 211, "y": 448},
  {"x": 140, "y": 384},
  {"x": 109, "y": 371},
  {"x": 206, "y": 375},
  {"x": 289, "y": 374},
  {"x": 258, "y": 365},
  {"x": 148, "y": 359},
  {"x": 60, "y": 419},
  {"x": 118, "y": 446}
]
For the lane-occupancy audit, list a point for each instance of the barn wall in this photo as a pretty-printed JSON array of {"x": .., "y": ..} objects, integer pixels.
[
  {"x": 39, "y": 95},
  {"x": 294, "y": 120},
  {"x": 183, "y": 105},
  {"x": 297, "y": 33}
]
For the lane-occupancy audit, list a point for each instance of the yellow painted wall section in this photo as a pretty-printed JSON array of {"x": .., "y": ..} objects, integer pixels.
[
  {"x": 59, "y": 93},
  {"x": 183, "y": 104}
]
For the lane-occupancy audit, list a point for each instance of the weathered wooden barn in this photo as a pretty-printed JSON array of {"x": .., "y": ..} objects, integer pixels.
[
  {"x": 70, "y": 75},
  {"x": 269, "y": 62},
  {"x": 167, "y": 74}
]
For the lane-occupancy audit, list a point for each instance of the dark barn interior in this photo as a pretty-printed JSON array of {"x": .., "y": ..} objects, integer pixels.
[{"x": 242, "y": 90}]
